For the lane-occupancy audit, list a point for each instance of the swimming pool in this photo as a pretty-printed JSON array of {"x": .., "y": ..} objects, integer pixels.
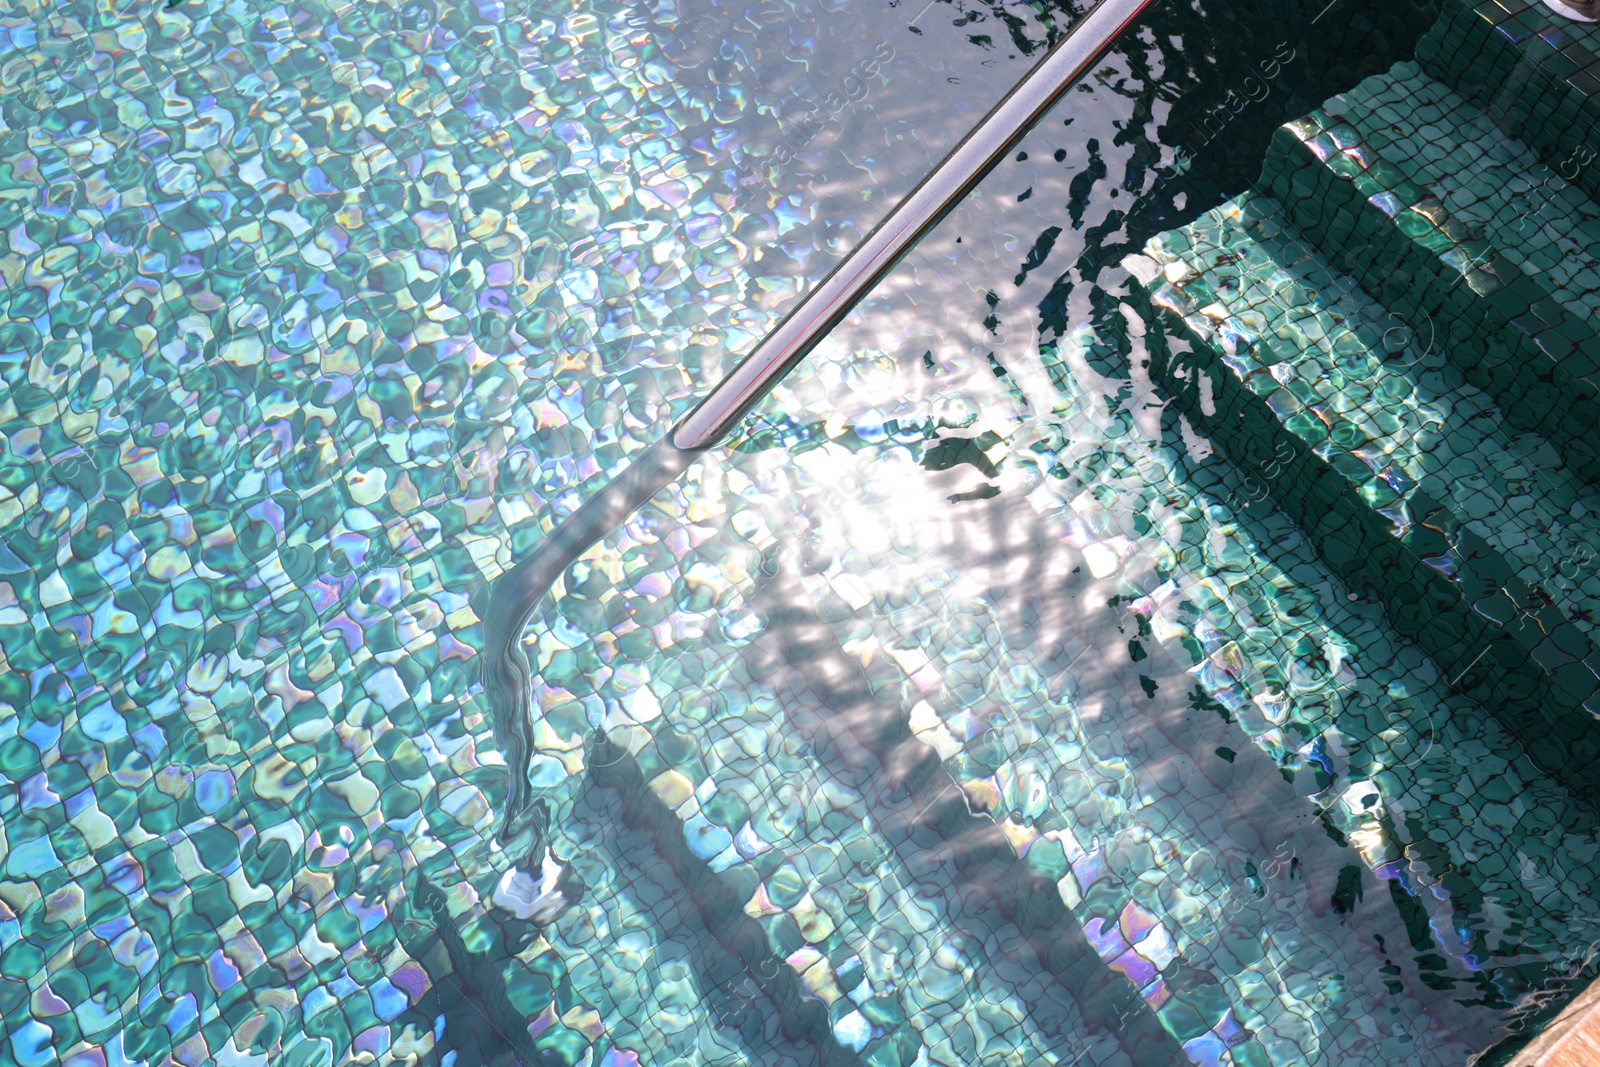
[{"x": 1152, "y": 628}]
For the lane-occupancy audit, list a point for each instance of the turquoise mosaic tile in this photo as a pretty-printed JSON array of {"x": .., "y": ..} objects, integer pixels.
[
  {"x": 288, "y": 292},
  {"x": 973, "y": 709},
  {"x": 1491, "y": 183},
  {"x": 1382, "y": 402},
  {"x": 1536, "y": 73}
]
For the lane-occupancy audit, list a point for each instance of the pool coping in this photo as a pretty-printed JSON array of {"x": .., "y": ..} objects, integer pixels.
[{"x": 1571, "y": 1039}]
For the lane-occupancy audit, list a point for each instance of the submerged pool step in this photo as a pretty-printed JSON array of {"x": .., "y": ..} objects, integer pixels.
[
  {"x": 1388, "y": 737},
  {"x": 1489, "y": 181},
  {"x": 1527, "y": 662},
  {"x": 1536, "y": 73},
  {"x": 1420, "y": 445},
  {"x": 1501, "y": 327},
  {"x": 1308, "y": 341}
]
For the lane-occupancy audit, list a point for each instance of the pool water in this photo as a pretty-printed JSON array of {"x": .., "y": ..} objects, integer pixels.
[{"x": 1154, "y": 628}]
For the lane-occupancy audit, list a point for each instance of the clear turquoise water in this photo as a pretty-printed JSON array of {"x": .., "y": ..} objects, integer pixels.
[{"x": 1000, "y": 701}]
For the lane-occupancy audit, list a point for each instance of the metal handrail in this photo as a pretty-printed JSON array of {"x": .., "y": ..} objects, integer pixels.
[
  {"x": 516, "y": 594},
  {"x": 922, "y": 209}
]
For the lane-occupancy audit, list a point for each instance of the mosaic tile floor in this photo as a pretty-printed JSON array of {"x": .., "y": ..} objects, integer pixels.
[
  {"x": 271, "y": 275},
  {"x": 985, "y": 704}
]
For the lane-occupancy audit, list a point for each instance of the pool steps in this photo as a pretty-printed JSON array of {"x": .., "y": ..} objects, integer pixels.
[{"x": 1500, "y": 635}]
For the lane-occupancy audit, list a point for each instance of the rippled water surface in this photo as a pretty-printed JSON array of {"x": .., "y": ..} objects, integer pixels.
[{"x": 988, "y": 701}]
